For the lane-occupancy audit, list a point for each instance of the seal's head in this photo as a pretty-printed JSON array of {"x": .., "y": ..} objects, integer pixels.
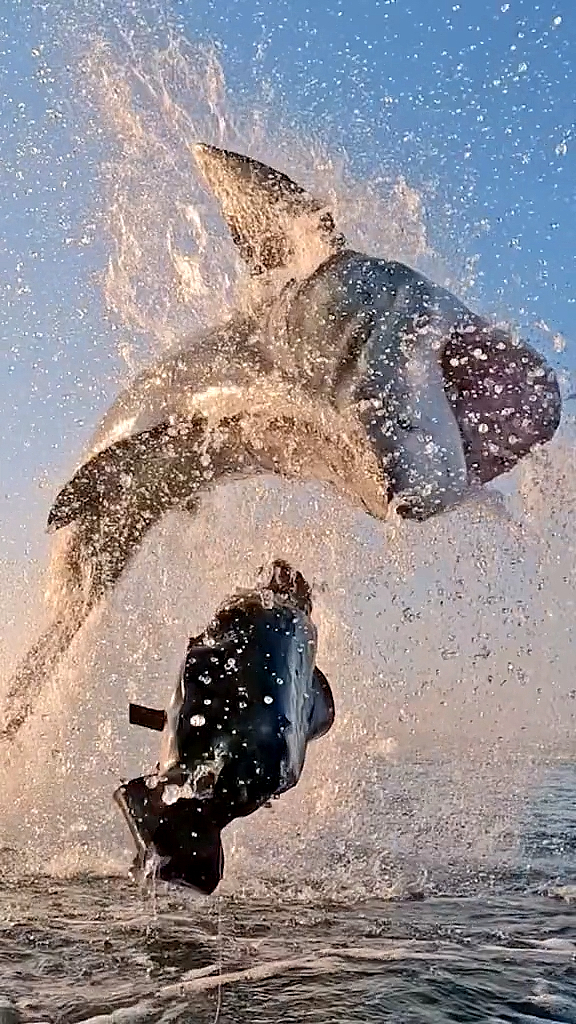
[{"x": 289, "y": 583}]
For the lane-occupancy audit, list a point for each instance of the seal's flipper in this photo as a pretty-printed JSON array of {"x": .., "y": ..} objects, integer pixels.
[
  {"x": 323, "y": 712},
  {"x": 147, "y": 718},
  {"x": 260, "y": 206},
  {"x": 177, "y": 840}
]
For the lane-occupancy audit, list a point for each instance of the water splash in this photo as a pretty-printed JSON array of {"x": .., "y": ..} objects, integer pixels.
[
  {"x": 449, "y": 646},
  {"x": 172, "y": 268}
]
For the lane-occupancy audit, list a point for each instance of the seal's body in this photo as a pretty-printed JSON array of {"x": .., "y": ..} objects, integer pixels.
[{"x": 248, "y": 702}]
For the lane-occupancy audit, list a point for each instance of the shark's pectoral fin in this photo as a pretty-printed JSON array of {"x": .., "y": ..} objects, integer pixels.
[
  {"x": 100, "y": 482},
  {"x": 81, "y": 494},
  {"x": 322, "y": 717},
  {"x": 263, "y": 208},
  {"x": 145, "y": 470}
]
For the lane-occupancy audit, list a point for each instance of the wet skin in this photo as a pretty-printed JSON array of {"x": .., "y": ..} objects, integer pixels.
[
  {"x": 248, "y": 702},
  {"x": 440, "y": 400}
]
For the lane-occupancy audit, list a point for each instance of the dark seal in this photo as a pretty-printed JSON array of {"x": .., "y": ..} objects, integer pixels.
[{"x": 249, "y": 700}]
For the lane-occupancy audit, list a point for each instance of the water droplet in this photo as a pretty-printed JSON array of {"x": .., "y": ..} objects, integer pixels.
[
  {"x": 197, "y": 721},
  {"x": 268, "y": 700}
]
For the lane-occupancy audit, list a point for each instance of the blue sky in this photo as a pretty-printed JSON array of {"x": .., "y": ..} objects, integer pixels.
[
  {"x": 477, "y": 98},
  {"x": 480, "y": 97}
]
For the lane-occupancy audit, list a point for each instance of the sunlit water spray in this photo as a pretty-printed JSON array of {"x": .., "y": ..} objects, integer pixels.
[{"x": 449, "y": 645}]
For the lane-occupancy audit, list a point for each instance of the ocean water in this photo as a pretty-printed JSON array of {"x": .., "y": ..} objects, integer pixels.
[
  {"x": 424, "y": 868},
  {"x": 489, "y": 946}
]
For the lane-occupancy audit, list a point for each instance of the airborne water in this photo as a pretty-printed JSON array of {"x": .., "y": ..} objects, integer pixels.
[{"x": 423, "y": 870}]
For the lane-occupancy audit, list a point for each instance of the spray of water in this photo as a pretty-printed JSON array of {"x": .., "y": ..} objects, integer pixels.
[{"x": 448, "y": 646}]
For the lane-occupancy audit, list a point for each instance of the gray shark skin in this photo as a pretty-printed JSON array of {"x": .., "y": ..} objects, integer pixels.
[
  {"x": 446, "y": 399},
  {"x": 249, "y": 700},
  {"x": 362, "y": 373}
]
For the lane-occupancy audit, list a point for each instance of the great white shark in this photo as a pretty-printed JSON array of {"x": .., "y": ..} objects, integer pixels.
[{"x": 360, "y": 371}]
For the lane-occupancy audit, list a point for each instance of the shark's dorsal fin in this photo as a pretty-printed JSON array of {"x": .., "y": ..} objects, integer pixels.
[{"x": 262, "y": 207}]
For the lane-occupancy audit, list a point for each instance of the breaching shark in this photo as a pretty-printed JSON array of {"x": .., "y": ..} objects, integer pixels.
[
  {"x": 249, "y": 700},
  {"x": 362, "y": 372}
]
